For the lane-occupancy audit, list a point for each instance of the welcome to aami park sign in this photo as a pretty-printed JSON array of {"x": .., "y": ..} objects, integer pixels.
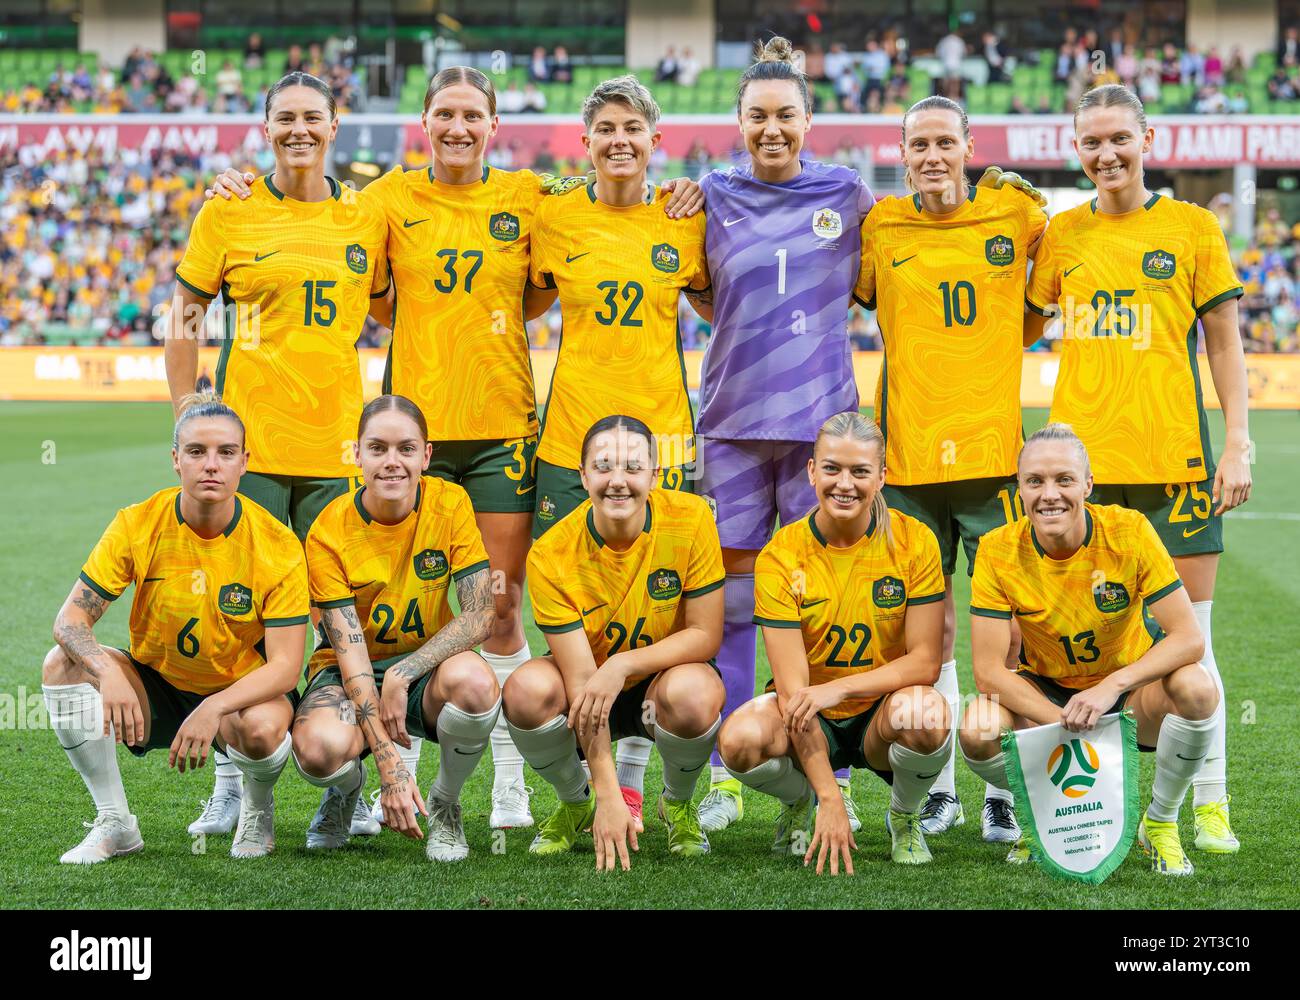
[{"x": 1013, "y": 141}]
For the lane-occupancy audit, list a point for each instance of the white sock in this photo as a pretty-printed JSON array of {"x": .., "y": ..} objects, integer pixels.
[
  {"x": 1211, "y": 782},
  {"x": 994, "y": 792},
  {"x": 633, "y": 756},
  {"x": 1179, "y": 740},
  {"x": 844, "y": 781},
  {"x": 552, "y": 751},
  {"x": 261, "y": 774},
  {"x": 946, "y": 685},
  {"x": 507, "y": 761},
  {"x": 411, "y": 757},
  {"x": 228, "y": 777},
  {"x": 462, "y": 738},
  {"x": 777, "y": 777},
  {"x": 718, "y": 774},
  {"x": 914, "y": 774},
  {"x": 993, "y": 770},
  {"x": 684, "y": 759},
  {"x": 348, "y": 778},
  {"x": 76, "y": 714}
]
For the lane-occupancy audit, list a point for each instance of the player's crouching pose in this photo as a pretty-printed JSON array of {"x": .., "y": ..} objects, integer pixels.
[
  {"x": 1077, "y": 576},
  {"x": 628, "y": 588},
  {"x": 217, "y": 630},
  {"x": 850, "y": 599},
  {"x": 398, "y": 663}
]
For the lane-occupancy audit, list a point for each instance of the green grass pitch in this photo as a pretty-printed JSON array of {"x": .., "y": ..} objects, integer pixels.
[{"x": 66, "y": 468}]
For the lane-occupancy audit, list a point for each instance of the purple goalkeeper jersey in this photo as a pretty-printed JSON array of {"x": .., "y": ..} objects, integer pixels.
[{"x": 784, "y": 259}]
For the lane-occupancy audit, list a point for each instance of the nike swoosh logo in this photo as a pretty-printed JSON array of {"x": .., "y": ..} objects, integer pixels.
[
  {"x": 1189, "y": 534},
  {"x": 263, "y": 256},
  {"x": 813, "y": 604},
  {"x": 407, "y": 223},
  {"x": 153, "y": 579},
  {"x": 519, "y": 492},
  {"x": 1181, "y": 757},
  {"x": 903, "y": 261},
  {"x": 570, "y": 260},
  {"x": 926, "y": 777},
  {"x": 1071, "y": 270},
  {"x": 594, "y": 607},
  {"x": 693, "y": 770},
  {"x": 728, "y": 223},
  {"x": 466, "y": 753}
]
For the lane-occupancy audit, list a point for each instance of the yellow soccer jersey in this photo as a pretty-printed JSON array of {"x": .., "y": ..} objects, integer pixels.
[
  {"x": 459, "y": 257},
  {"x": 297, "y": 278},
  {"x": 202, "y": 605},
  {"x": 619, "y": 272},
  {"x": 1080, "y": 618},
  {"x": 948, "y": 291},
  {"x": 397, "y": 575},
  {"x": 850, "y": 603},
  {"x": 625, "y": 600},
  {"x": 1129, "y": 289}
]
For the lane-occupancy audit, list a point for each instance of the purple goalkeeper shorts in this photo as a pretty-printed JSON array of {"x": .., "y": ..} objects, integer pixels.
[{"x": 750, "y": 483}]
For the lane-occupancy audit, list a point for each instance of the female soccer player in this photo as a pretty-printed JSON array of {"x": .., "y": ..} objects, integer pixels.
[
  {"x": 296, "y": 265},
  {"x": 850, "y": 599},
  {"x": 1077, "y": 576},
  {"x": 217, "y": 630},
  {"x": 628, "y": 589},
  {"x": 946, "y": 271},
  {"x": 783, "y": 251},
  {"x": 618, "y": 264},
  {"x": 783, "y": 256},
  {"x": 1133, "y": 275},
  {"x": 459, "y": 243},
  {"x": 381, "y": 563}
]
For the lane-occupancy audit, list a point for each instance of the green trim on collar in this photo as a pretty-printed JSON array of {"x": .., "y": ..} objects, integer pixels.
[
  {"x": 591, "y": 524},
  {"x": 270, "y": 186},
  {"x": 816, "y": 532},
  {"x": 1087, "y": 534},
  {"x": 1155, "y": 197},
  {"x": 229, "y": 529},
  {"x": 651, "y": 192},
  {"x": 336, "y": 189}
]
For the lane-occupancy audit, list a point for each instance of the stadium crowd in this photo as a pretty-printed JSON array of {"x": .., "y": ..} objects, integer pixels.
[
  {"x": 146, "y": 85},
  {"x": 91, "y": 246}
]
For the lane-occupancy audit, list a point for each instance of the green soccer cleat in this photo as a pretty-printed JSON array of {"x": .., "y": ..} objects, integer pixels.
[
  {"x": 683, "y": 821},
  {"x": 909, "y": 846},
  {"x": 1160, "y": 842},
  {"x": 1213, "y": 832},
  {"x": 795, "y": 821},
  {"x": 722, "y": 806},
  {"x": 559, "y": 831},
  {"x": 1021, "y": 852}
]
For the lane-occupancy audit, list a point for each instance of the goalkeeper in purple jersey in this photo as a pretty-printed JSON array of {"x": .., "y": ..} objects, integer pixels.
[{"x": 783, "y": 247}]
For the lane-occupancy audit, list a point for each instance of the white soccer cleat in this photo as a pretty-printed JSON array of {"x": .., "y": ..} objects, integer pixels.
[
  {"x": 998, "y": 824},
  {"x": 376, "y": 807},
  {"x": 364, "y": 822},
  {"x": 446, "y": 840},
  {"x": 850, "y": 807},
  {"x": 941, "y": 813},
  {"x": 109, "y": 837},
  {"x": 510, "y": 807},
  {"x": 721, "y": 807},
  {"x": 220, "y": 813},
  {"x": 255, "y": 837},
  {"x": 329, "y": 829}
]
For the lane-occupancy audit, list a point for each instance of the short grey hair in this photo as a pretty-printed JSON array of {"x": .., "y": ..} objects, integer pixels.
[
  {"x": 627, "y": 90},
  {"x": 1059, "y": 432}
]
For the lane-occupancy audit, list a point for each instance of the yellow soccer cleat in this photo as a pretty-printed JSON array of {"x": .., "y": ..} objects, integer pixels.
[
  {"x": 794, "y": 826},
  {"x": 559, "y": 831},
  {"x": 909, "y": 846},
  {"x": 1213, "y": 832},
  {"x": 1021, "y": 852},
  {"x": 683, "y": 821},
  {"x": 1161, "y": 843}
]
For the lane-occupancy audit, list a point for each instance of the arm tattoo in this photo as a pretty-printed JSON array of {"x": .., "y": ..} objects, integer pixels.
[
  {"x": 703, "y": 298},
  {"x": 91, "y": 603},
  {"x": 464, "y": 632},
  {"x": 78, "y": 641}
]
